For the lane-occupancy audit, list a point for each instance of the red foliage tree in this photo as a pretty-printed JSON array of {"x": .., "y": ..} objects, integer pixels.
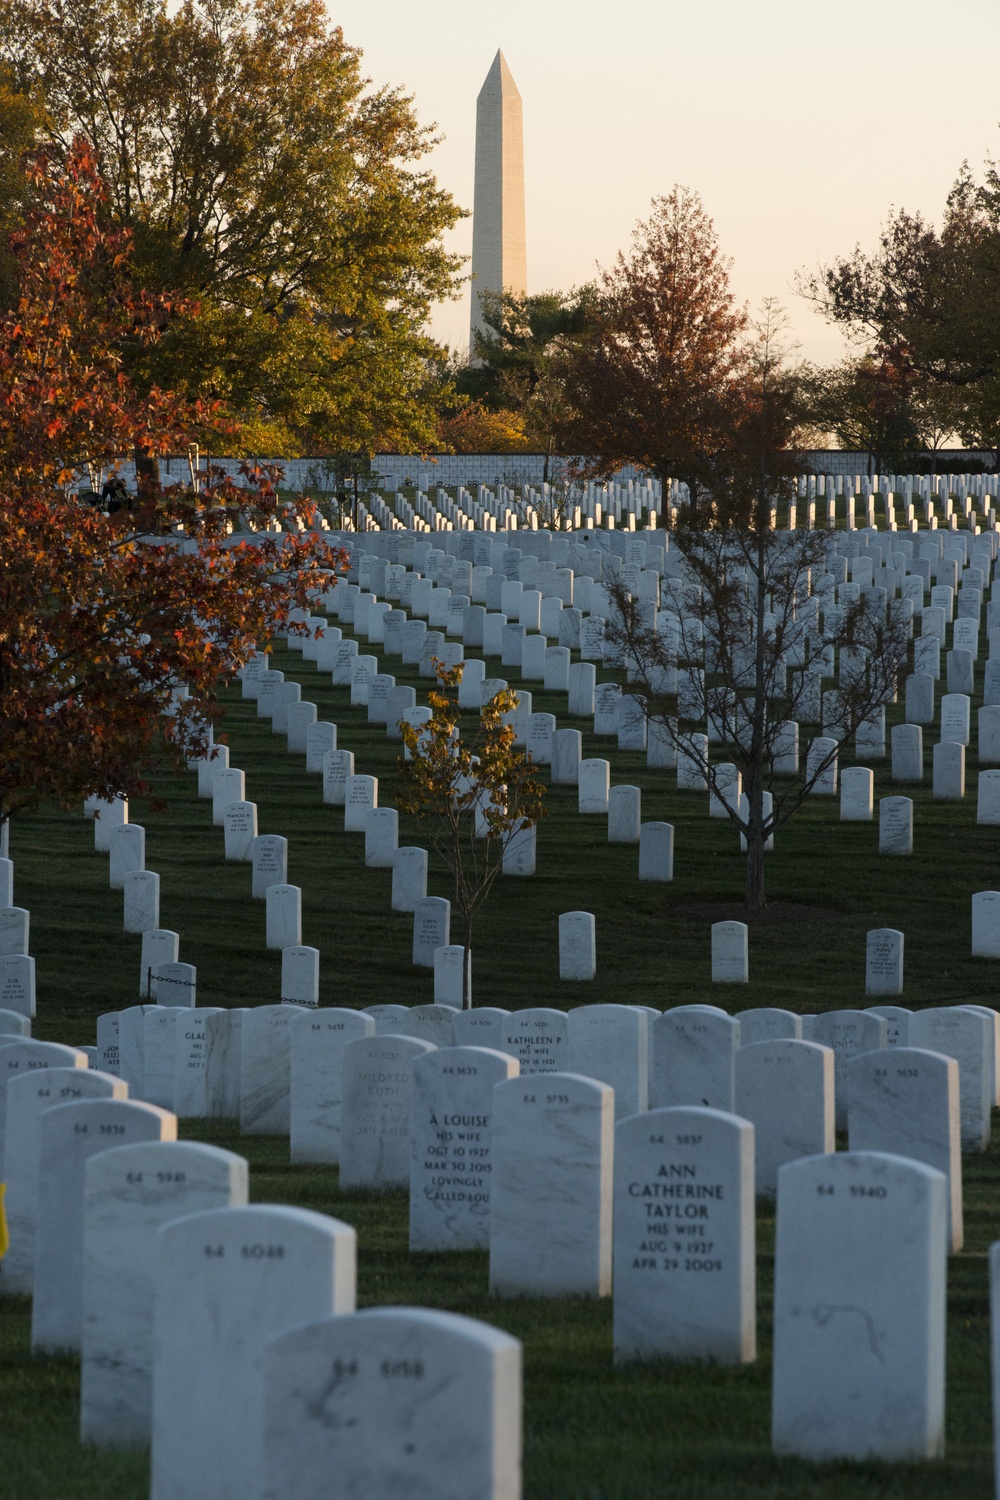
[
  {"x": 104, "y": 618},
  {"x": 654, "y": 377}
]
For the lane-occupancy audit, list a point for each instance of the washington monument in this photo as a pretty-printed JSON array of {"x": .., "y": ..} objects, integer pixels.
[{"x": 498, "y": 258}]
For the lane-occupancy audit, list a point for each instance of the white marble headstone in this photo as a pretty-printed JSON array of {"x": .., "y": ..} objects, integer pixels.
[
  {"x": 539, "y": 1038},
  {"x": 190, "y": 1100},
  {"x": 429, "y": 1023},
  {"x": 22, "y": 1055},
  {"x": 897, "y": 1023},
  {"x": 265, "y": 1066},
  {"x": 127, "y": 853},
  {"x": 338, "y": 766},
  {"x": 228, "y": 786},
  {"x": 107, "y": 816},
  {"x": 409, "y": 878},
  {"x": 227, "y": 1280},
  {"x": 986, "y": 924},
  {"x": 269, "y": 859},
  {"x": 317, "y": 1053},
  {"x": 785, "y": 1088},
  {"x": 859, "y": 1309},
  {"x": 431, "y": 929},
  {"x": 108, "y": 1046},
  {"x": 159, "y": 946},
  {"x": 129, "y": 1193},
  {"x": 768, "y": 1023},
  {"x": 611, "y": 1043},
  {"x": 381, "y": 837},
  {"x": 321, "y": 737},
  {"x": 848, "y": 1033},
  {"x": 29, "y": 1094},
  {"x": 884, "y": 962},
  {"x": 385, "y": 1427},
  {"x": 142, "y": 900},
  {"x": 450, "y": 985},
  {"x": 906, "y": 1102},
  {"x": 389, "y": 1019},
  {"x": 300, "y": 975},
  {"x": 729, "y": 953},
  {"x": 550, "y": 1213},
  {"x": 967, "y": 1036},
  {"x": 159, "y": 1053},
  {"x": 360, "y": 796},
  {"x": 175, "y": 985},
  {"x": 895, "y": 825},
  {"x": 132, "y": 1048},
  {"x": 283, "y": 916},
  {"x": 377, "y": 1090},
  {"x": 484, "y": 1026},
  {"x": 451, "y": 1146},
  {"x": 240, "y": 821},
  {"x": 694, "y": 1047},
  {"x": 624, "y": 814},
  {"x": 684, "y": 1252},
  {"x": 656, "y": 851},
  {"x": 593, "y": 788},
  {"x": 856, "y": 794},
  {"x": 577, "y": 945},
  {"x": 70, "y": 1135},
  {"x": 17, "y": 983},
  {"x": 223, "y": 1056},
  {"x": 15, "y": 930}
]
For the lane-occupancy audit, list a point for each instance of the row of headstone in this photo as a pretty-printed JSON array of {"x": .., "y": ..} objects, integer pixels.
[{"x": 141, "y": 1254}]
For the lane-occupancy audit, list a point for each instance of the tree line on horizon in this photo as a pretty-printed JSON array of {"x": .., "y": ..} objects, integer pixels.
[{"x": 280, "y": 209}]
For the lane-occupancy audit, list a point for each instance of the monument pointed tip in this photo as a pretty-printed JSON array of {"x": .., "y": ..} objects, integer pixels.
[{"x": 500, "y": 73}]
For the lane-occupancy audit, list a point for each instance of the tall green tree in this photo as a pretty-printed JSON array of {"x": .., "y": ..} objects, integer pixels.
[
  {"x": 869, "y": 405},
  {"x": 516, "y": 362},
  {"x": 264, "y": 177}
]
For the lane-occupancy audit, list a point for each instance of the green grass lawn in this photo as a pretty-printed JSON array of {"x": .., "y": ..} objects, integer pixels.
[{"x": 591, "y": 1432}]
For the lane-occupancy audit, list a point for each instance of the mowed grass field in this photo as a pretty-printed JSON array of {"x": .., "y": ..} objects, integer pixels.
[{"x": 592, "y": 1432}]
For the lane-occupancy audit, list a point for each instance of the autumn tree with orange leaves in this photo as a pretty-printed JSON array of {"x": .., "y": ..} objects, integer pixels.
[
  {"x": 653, "y": 378},
  {"x": 103, "y": 619},
  {"x": 473, "y": 794}
]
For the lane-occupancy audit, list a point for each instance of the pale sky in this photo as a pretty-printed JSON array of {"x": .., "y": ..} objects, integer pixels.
[{"x": 798, "y": 123}]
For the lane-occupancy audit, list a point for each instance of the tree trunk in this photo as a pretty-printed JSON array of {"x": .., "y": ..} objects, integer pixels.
[
  {"x": 147, "y": 471},
  {"x": 755, "y": 897},
  {"x": 467, "y": 966},
  {"x": 664, "y": 478}
]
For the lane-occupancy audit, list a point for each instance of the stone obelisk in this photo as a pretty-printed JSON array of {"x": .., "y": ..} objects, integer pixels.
[{"x": 498, "y": 258}]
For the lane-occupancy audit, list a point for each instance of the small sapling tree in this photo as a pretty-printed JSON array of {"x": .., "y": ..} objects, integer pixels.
[
  {"x": 474, "y": 793},
  {"x": 749, "y": 630}
]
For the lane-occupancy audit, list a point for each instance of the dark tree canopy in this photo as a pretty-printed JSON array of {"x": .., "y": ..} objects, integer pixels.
[
  {"x": 927, "y": 302},
  {"x": 515, "y": 371}
]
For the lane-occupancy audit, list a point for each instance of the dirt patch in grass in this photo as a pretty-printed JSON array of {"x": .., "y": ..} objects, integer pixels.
[{"x": 775, "y": 914}]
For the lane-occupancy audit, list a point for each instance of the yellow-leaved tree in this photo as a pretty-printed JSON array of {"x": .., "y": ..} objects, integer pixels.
[{"x": 473, "y": 792}]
